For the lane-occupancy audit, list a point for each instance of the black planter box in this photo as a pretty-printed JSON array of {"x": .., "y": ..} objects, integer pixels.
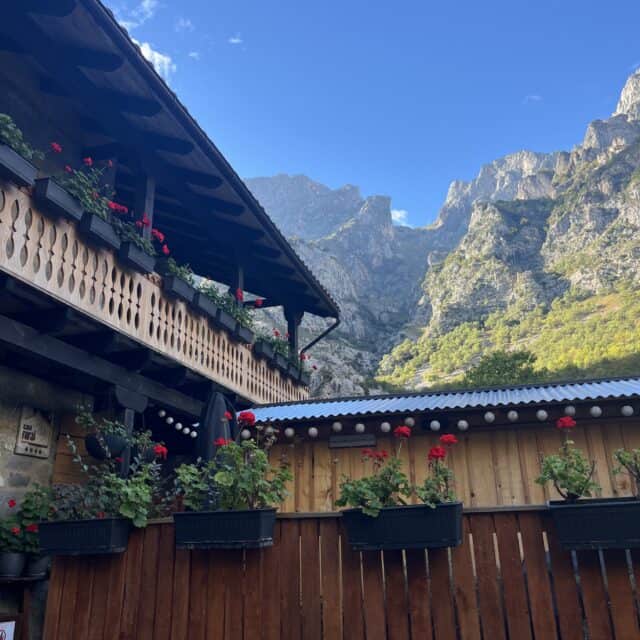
[
  {"x": 205, "y": 304},
  {"x": 305, "y": 378},
  {"x": 15, "y": 167},
  {"x": 57, "y": 200},
  {"x": 244, "y": 334},
  {"x": 412, "y": 527},
  {"x": 84, "y": 537},
  {"x": 226, "y": 321},
  {"x": 99, "y": 231},
  {"x": 263, "y": 350},
  {"x": 281, "y": 362},
  {"x": 601, "y": 523},
  {"x": 95, "y": 448},
  {"x": 176, "y": 287},
  {"x": 249, "y": 529},
  {"x": 136, "y": 258}
]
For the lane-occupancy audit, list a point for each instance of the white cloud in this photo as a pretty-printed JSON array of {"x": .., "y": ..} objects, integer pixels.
[
  {"x": 143, "y": 11},
  {"x": 184, "y": 24},
  {"x": 635, "y": 66},
  {"x": 400, "y": 217},
  {"x": 161, "y": 62},
  {"x": 235, "y": 39},
  {"x": 534, "y": 97},
  {"x": 194, "y": 55}
]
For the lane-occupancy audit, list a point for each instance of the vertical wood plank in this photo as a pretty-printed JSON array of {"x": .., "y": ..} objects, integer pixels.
[
  {"x": 70, "y": 591},
  {"x": 540, "y": 600},
  {"x": 515, "y": 594},
  {"x": 330, "y": 563},
  {"x": 98, "y": 606},
  {"x": 395, "y": 597},
  {"x": 352, "y": 606},
  {"x": 290, "y": 580},
  {"x": 54, "y": 598},
  {"x": 482, "y": 475},
  {"x": 621, "y": 483},
  {"x": 234, "y": 602},
  {"x": 198, "y": 594},
  {"x": 374, "y": 618},
  {"x": 219, "y": 572},
  {"x": 529, "y": 458},
  {"x": 506, "y": 456},
  {"x": 148, "y": 583},
  {"x": 310, "y": 579},
  {"x": 418, "y": 590},
  {"x": 270, "y": 584},
  {"x": 464, "y": 586},
  {"x": 442, "y": 610},
  {"x": 623, "y": 613},
  {"x": 598, "y": 452},
  {"x": 83, "y": 598},
  {"x": 164, "y": 580},
  {"x": 594, "y": 596},
  {"x": 458, "y": 463},
  {"x": 491, "y": 615},
  {"x": 115, "y": 594},
  {"x": 180, "y": 613},
  {"x": 252, "y": 590},
  {"x": 322, "y": 477},
  {"x": 304, "y": 477}
]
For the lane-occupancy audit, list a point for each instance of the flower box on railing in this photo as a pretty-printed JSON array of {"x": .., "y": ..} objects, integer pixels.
[
  {"x": 244, "y": 334},
  {"x": 136, "y": 258},
  {"x": 248, "y": 529},
  {"x": 176, "y": 287},
  {"x": 57, "y": 200},
  {"x": 99, "y": 231},
  {"x": 15, "y": 167},
  {"x": 205, "y": 304},
  {"x": 263, "y": 350},
  {"x": 293, "y": 370},
  {"x": 226, "y": 321},
  {"x": 84, "y": 537},
  {"x": 412, "y": 527},
  {"x": 282, "y": 362},
  {"x": 598, "y": 523},
  {"x": 305, "y": 378}
]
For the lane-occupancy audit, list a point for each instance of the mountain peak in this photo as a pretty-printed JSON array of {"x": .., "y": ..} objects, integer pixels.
[{"x": 629, "y": 102}]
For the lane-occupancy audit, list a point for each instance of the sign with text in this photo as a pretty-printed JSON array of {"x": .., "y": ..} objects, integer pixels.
[
  {"x": 7, "y": 630},
  {"x": 34, "y": 434}
]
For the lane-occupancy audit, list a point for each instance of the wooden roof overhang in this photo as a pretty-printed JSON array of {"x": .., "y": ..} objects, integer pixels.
[{"x": 213, "y": 221}]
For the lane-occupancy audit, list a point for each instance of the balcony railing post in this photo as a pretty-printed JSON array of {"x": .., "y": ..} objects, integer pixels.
[{"x": 129, "y": 404}]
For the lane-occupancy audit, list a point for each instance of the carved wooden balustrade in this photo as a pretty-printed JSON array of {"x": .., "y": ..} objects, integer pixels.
[{"x": 50, "y": 255}]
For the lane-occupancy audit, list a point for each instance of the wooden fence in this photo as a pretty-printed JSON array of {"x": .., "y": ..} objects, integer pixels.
[{"x": 508, "y": 580}]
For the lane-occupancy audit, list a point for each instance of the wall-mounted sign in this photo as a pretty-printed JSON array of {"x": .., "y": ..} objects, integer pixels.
[
  {"x": 7, "y": 630},
  {"x": 34, "y": 434}
]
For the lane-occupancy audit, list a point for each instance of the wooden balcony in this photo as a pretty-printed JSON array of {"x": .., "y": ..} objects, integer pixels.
[{"x": 50, "y": 255}]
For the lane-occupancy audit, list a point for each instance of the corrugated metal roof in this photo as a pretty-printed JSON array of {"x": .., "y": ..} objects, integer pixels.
[{"x": 440, "y": 401}]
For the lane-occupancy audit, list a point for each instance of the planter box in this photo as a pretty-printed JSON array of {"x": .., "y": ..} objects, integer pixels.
[
  {"x": 412, "y": 527},
  {"x": 244, "y": 334},
  {"x": 601, "y": 523},
  {"x": 281, "y": 362},
  {"x": 176, "y": 287},
  {"x": 206, "y": 305},
  {"x": 225, "y": 529},
  {"x": 15, "y": 167},
  {"x": 57, "y": 200},
  {"x": 136, "y": 258},
  {"x": 99, "y": 231},
  {"x": 305, "y": 378},
  {"x": 95, "y": 448},
  {"x": 263, "y": 350},
  {"x": 84, "y": 537},
  {"x": 12, "y": 564},
  {"x": 293, "y": 371},
  {"x": 226, "y": 321}
]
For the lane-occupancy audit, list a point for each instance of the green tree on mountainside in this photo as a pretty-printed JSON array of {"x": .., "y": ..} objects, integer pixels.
[{"x": 502, "y": 368}]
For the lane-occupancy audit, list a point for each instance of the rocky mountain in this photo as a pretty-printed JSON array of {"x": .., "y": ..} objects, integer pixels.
[{"x": 536, "y": 249}]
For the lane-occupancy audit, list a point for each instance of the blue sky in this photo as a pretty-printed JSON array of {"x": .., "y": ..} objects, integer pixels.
[{"x": 399, "y": 97}]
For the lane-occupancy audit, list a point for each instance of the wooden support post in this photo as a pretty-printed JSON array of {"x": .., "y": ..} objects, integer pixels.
[
  {"x": 294, "y": 318},
  {"x": 129, "y": 403},
  {"x": 237, "y": 284},
  {"x": 145, "y": 201},
  {"x": 213, "y": 425}
]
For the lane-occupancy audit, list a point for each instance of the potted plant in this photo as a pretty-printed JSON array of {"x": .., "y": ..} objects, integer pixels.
[
  {"x": 583, "y": 523},
  {"x": 206, "y": 300},
  {"x": 16, "y": 154},
  {"x": 135, "y": 251},
  {"x": 12, "y": 556},
  {"x": 105, "y": 439},
  {"x": 35, "y": 507},
  {"x": 230, "y": 500},
  {"x": 380, "y": 518},
  {"x": 178, "y": 281}
]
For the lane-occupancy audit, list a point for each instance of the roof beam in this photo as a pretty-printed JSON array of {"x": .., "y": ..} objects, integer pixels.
[{"x": 59, "y": 8}]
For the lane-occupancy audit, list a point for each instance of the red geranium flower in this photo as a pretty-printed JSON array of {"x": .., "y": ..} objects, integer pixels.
[
  {"x": 100, "y": 515},
  {"x": 139, "y": 224},
  {"x": 32, "y": 528},
  {"x": 367, "y": 453},
  {"x": 239, "y": 295},
  {"x": 437, "y": 453},
  {"x": 566, "y": 422},
  {"x": 227, "y": 415},
  {"x": 12, "y": 503},
  {"x": 15, "y": 531},
  {"x": 110, "y": 164},
  {"x": 117, "y": 208},
  {"x": 221, "y": 442},
  {"x": 158, "y": 235},
  {"x": 145, "y": 220},
  {"x": 313, "y": 366},
  {"x": 88, "y": 161},
  {"x": 56, "y": 147},
  {"x": 118, "y": 459},
  {"x": 402, "y": 432},
  {"x": 448, "y": 439},
  {"x": 165, "y": 250},
  {"x": 68, "y": 168},
  {"x": 381, "y": 455},
  {"x": 161, "y": 451},
  {"x": 248, "y": 418},
  {"x": 258, "y": 302},
  {"x": 276, "y": 333}
]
